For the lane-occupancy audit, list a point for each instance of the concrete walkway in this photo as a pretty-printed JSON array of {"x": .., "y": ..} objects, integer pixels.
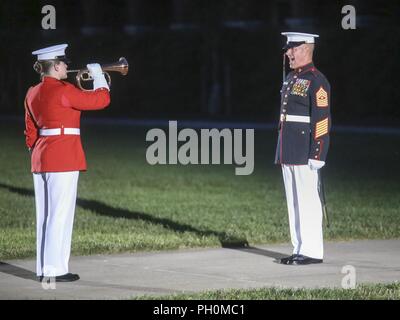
[{"x": 160, "y": 273}]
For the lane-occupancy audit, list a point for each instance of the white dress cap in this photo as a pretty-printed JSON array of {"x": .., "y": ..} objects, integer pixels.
[
  {"x": 49, "y": 53},
  {"x": 298, "y": 36},
  {"x": 295, "y": 39}
]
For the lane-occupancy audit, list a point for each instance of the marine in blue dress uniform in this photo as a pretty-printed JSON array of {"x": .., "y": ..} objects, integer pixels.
[{"x": 302, "y": 146}]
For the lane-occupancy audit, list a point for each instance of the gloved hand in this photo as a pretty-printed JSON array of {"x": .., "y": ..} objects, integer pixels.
[
  {"x": 315, "y": 164},
  {"x": 94, "y": 70},
  {"x": 99, "y": 80}
]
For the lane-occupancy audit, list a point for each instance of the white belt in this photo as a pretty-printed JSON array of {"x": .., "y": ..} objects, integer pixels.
[
  {"x": 57, "y": 131},
  {"x": 290, "y": 118}
]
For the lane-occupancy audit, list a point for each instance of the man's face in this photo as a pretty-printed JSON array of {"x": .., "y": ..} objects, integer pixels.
[
  {"x": 295, "y": 56},
  {"x": 61, "y": 69}
]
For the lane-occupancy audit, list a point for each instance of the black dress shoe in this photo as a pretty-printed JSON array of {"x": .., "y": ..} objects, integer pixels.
[
  {"x": 287, "y": 260},
  {"x": 302, "y": 260},
  {"x": 68, "y": 277}
]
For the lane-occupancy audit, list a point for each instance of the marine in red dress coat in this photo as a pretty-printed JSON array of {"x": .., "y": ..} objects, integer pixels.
[
  {"x": 58, "y": 104},
  {"x": 52, "y": 114}
]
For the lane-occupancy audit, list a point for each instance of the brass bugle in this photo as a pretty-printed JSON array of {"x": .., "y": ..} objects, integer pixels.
[{"x": 121, "y": 66}]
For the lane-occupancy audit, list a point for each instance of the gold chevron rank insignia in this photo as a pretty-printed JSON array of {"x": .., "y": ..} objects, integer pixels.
[
  {"x": 322, "y": 98},
  {"x": 321, "y": 128}
]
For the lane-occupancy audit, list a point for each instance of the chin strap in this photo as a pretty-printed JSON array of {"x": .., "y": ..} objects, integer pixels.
[{"x": 283, "y": 69}]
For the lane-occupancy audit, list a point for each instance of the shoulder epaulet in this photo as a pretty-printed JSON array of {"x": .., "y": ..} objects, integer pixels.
[{"x": 314, "y": 71}]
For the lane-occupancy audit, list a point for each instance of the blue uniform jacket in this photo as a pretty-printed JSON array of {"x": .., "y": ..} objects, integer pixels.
[{"x": 306, "y": 93}]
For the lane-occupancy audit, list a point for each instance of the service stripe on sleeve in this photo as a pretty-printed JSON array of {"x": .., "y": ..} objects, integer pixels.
[{"x": 321, "y": 128}]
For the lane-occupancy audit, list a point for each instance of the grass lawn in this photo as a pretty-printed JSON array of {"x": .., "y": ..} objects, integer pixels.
[
  {"x": 126, "y": 204},
  {"x": 362, "y": 292}
]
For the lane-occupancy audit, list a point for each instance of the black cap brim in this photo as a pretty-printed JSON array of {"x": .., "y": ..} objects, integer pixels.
[{"x": 293, "y": 44}]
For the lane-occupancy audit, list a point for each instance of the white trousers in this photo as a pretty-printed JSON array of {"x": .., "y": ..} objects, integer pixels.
[
  {"x": 55, "y": 198},
  {"x": 305, "y": 210}
]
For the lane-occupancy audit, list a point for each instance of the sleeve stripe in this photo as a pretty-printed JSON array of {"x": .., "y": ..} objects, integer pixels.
[{"x": 321, "y": 128}]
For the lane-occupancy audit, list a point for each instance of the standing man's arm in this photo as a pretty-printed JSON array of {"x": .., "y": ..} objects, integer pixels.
[
  {"x": 81, "y": 100},
  {"x": 320, "y": 122},
  {"x": 99, "y": 98},
  {"x": 31, "y": 131}
]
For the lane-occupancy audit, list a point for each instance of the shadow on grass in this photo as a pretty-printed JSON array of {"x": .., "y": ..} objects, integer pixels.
[
  {"x": 104, "y": 209},
  {"x": 17, "y": 271}
]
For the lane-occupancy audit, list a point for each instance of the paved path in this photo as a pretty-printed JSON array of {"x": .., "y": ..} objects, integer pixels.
[{"x": 159, "y": 273}]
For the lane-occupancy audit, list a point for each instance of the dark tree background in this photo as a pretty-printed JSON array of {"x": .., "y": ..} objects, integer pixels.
[{"x": 218, "y": 59}]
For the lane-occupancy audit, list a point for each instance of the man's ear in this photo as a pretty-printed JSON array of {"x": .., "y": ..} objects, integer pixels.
[{"x": 56, "y": 66}]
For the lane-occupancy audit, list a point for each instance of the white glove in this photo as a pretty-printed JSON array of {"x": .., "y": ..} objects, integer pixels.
[
  {"x": 99, "y": 80},
  {"x": 94, "y": 70},
  {"x": 315, "y": 164}
]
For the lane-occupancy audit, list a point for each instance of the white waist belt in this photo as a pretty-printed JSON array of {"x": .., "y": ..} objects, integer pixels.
[
  {"x": 57, "y": 131},
  {"x": 290, "y": 118}
]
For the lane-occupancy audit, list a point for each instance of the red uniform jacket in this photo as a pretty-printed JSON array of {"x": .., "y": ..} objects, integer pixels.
[{"x": 58, "y": 104}]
